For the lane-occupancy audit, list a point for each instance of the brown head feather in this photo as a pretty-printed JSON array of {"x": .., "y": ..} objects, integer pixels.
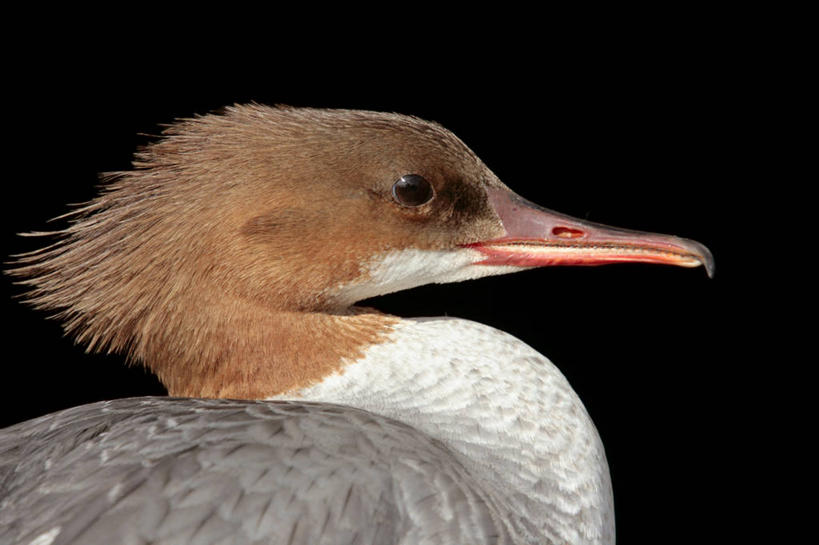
[{"x": 210, "y": 261}]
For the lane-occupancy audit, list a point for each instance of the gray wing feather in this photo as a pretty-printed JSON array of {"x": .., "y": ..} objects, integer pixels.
[{"x": 207, "y": 472}]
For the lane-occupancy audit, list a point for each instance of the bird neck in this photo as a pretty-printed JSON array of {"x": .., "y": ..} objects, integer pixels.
[
  {"x": 230, "y": 347},
  {"x": 502, "y": 408}
]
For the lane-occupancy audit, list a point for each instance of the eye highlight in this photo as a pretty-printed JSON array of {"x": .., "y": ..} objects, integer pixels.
[{"x": 412, "y": 190}]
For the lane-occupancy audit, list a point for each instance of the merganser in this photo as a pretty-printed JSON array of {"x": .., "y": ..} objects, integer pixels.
[{"x": 229, "y": 262}]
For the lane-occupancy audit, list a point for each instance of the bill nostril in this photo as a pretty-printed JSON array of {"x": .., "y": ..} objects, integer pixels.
[{"x": 567, "y": 232}]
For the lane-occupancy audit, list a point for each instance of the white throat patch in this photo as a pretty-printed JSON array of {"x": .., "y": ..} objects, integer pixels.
[{"x": 398, "y": 270}]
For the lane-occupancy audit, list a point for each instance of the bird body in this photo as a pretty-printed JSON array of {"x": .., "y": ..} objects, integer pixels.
[
  {"x": 480, "y": 478},
  {"x": 229, "y": 262}
]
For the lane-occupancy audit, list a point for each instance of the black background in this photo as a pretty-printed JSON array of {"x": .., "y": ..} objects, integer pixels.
[{"x": 633, "y": 125}]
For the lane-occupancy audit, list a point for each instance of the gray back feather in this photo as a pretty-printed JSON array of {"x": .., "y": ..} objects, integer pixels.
[{"x": 196, "y": 472}]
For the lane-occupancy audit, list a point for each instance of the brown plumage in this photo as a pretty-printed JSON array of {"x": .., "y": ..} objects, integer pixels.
[{"x": 206, "y": 263}]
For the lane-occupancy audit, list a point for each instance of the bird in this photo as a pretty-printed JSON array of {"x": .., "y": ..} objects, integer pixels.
[{"x": 229, "y": 261}]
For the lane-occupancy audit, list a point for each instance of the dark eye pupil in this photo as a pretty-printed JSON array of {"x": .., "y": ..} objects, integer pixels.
[{"x": 412, "y": 190}]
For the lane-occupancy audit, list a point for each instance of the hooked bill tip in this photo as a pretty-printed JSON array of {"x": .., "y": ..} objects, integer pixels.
[
  {"x": 707, "y": 259},
  {"x": 700, "y": 252}
]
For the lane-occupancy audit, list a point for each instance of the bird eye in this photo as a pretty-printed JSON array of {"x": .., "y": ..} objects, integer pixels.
[{"x": 412, "y": 190}]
